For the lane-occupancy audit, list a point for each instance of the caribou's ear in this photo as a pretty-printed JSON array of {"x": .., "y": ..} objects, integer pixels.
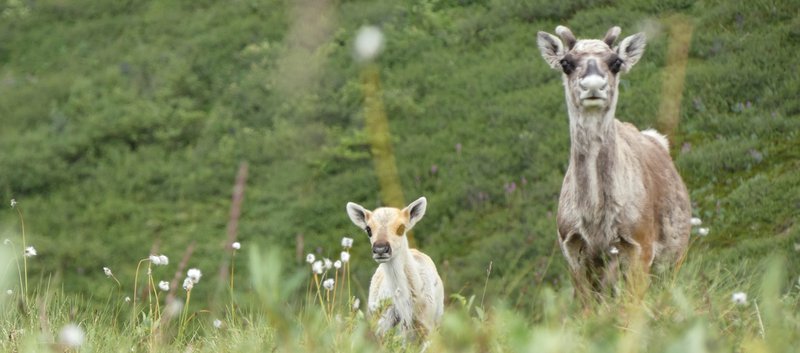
[
  {"x": 358, "y": 214},
  {"x": 612, "y": 35},
  {"x": 415, "y": 210},
  {"x": 567, "y": 36},
  {"x": 551, "y": 47},
  {"x": 630, "y": 50}
]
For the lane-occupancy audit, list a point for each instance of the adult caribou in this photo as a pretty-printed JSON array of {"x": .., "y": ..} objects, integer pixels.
[{"x": 623, "y": 205}]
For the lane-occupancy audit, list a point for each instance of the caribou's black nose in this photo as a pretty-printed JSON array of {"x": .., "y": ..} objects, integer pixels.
[{"x": 381, "y": 249}]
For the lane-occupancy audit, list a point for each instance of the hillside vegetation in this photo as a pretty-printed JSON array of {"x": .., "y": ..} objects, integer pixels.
[{"x": 124, "y": 124}]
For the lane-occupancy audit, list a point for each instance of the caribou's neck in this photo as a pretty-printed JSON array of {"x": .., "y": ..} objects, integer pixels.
[
  {"x": 403, "y": 277},
  {"x": 593, "y": 147}
]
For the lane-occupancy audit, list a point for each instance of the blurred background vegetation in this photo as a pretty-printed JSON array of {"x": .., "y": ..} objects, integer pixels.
[{"x": 123, "y": 124}]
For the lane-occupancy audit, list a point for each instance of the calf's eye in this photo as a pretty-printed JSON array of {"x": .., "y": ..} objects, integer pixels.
[{"x": 369, "y": 231}]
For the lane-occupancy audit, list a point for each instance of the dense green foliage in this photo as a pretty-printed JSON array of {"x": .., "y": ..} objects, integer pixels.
[{"x": 124, "y": 122}]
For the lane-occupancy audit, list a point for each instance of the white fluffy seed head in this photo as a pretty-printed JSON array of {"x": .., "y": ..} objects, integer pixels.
[
  {"x": 356, "y": 303},
  {"x": 217, "y": 323},
  {"x": 127, "y": 299},
  {"x": 9, "y": 292},
  {"x": 310, "y": 258},
  {"x": 164, "y": 260},
  {"x": 71, "y": 336},
  {"x": 163, "y": 285},
  {"x": 369, "y": 43},
  {"x": 30, "y": 251},
  {"x": 696, "y": 221},
  {"x": 613, "y": 250},
  {"x": 318, "y": 267},
  {"x": 194, "y": 274},
  {"x": 345, "y": 256},
  {"x": 107, "y": 271},
  {"x": 739, "y": 298},
  {"x": 13, "y": 203},
  {"x": 347, "y": 243},
  {"x": 327, "y": 262},
  {"x": 155, "y": 259},
  {"x": 236, "y": 245},
  {"x": 328, "y": 284},
  {"x": 337, "y": 264},
  {"x": 188, "y": 284},
  {"x": 702, "y": 231}
]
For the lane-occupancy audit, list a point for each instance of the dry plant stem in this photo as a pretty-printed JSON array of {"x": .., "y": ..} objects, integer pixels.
[
  {"x": 235, "y": 212},
  {"x": 173, "y": 286},
  {"x": 233, "y": 308},
  {"x": 486, "y": 283},
  {"x": 347, "y": 268},
  {"x": 183, "y": 314},
  {"x": 319, "y": 295},
  {"x": 24, "y": 246},
  {"x": 335, "y": 286},
  {"x": 760, "y": 323},
  {"x": 135, "y": 282}
]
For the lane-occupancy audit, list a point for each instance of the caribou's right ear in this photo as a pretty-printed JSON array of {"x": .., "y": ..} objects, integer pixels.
[
  {"x": 552, "y": 49},
  {"x": 358, "y": 214}
]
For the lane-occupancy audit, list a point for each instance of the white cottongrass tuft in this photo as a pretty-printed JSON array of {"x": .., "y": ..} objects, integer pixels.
[
  {"x": 164, "y": 285},
  {"x": 188, "y": 284},
  {"x": 356, "y": 303},
  {"x": 10, "y": 292},
  {"x": 71, "y": 336},
  {"x": 345, "y": 256},
  {"x": 13, "y": 203},
  {"x": 7, "y": 242},
  {"x": 369, "y": 43},
  {"x": 328, "y": 283},
  {"x": 702, "y": 231},
  {"x": 696, "y": 221},
  {"x": 317, "y": 267},
  {"x": 347, "y": 243},
  {"x": 194, "y": 274},
  {"x": 236, "y": 245},
  {"x": 613, "y": 250},
  {"x": 337, "y": 264},
  {"x": 107, "y": 271},
  {"x": 328, "y": 263},
  {"x": 30, "y": 251},
  {"x": 739, "y": 298},
  {"x": 217, "y": 323},
  {"x": 127, "y": 299},
  {"x": 159, "y": 260},
  {"x": 310, "y": 258}
]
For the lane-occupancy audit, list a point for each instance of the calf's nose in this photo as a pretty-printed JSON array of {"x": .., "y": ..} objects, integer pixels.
[{"x": 381, "y": 249}]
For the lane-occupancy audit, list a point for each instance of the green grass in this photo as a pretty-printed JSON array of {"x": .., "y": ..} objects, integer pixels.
[{"x": 688, "y": 311}]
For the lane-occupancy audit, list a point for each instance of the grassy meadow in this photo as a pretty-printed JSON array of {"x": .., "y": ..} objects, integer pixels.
[{"x": 176, "y": 127}]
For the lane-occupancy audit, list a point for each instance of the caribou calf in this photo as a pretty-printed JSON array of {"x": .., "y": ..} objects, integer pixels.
[{"x": 405, "y": 290}]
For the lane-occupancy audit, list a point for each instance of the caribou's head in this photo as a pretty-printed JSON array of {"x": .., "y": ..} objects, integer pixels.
[
  {"x": 386, "y": 227},
  {"x": 591, "y": 67}
]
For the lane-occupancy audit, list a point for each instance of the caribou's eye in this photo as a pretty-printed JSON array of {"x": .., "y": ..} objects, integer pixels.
[
  {"x": 369, "y": 231},
  {"x": 567, "y": 65},
  {"x": 616, "y": 65}
]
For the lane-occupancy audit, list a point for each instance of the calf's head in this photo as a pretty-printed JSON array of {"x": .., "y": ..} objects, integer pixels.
[{"x": 386, "y": 227}]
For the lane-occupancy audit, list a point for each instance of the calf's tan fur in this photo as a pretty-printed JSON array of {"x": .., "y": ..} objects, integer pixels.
[{"x": 406, "y": 290}]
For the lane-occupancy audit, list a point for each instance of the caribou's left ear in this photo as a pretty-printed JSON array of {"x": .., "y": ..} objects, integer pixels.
[
  {"x": 415, "y": 210},
  {"x": 630, "y": 50}
]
